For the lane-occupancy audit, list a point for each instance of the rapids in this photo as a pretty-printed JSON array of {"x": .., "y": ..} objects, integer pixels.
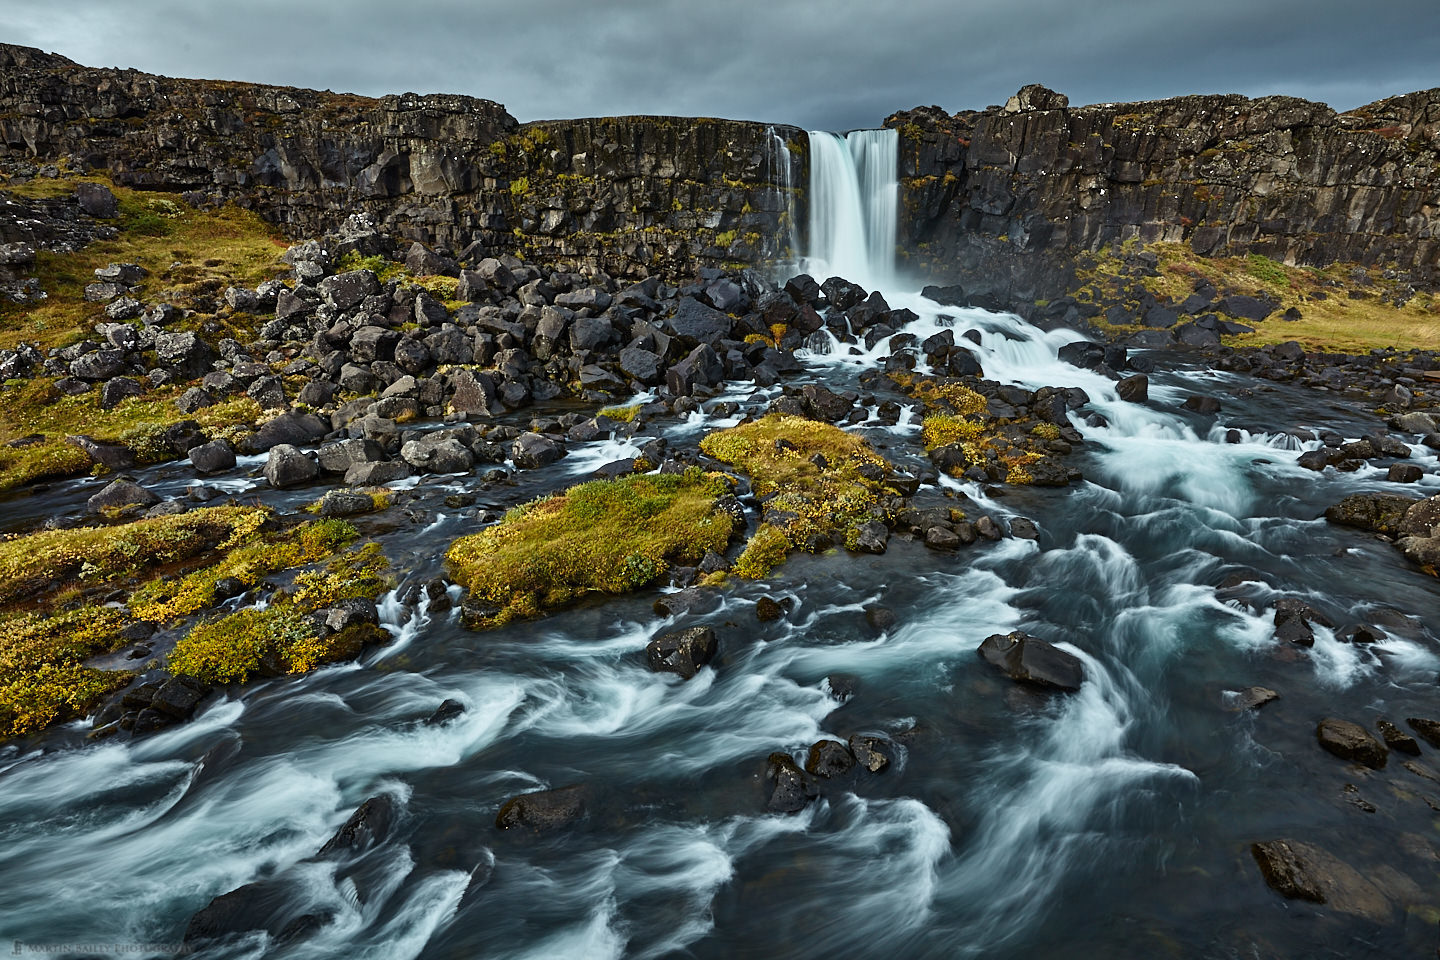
[{"x": 1115, "y": 822}]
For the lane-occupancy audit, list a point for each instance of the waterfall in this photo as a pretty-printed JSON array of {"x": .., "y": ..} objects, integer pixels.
[
  {"x": 783, "y": 178},
  {"x": 852, "y": 206}
]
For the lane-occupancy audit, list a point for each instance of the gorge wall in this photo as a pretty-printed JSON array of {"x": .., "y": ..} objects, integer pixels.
[
  {"x": 1008, "y": 199},
  {"x": 631, "y": 195}
]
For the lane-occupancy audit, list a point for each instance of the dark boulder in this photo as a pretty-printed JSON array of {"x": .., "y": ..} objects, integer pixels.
[
  {"x": 119, "y": 494},
  {"x": 531, "y": 451},
  {"x": 447, "y": 711},
  {"x": 1397, "y": 739},
  {"x": 698, "y": 323},
  {"x": 1350, "y": 741},
  {"x": 1034, "y": 661},
  {"x": 829, "y": 758},
  {"x": 792, "y": 790},
  {"x": 871, "y": 753},
  {"x": 1135, "y": 389},
  {"x": 1429, "y": 730},
  {"x": 683, "y": 652},
  {"x": 288, "y": 466},
  {"x": 367, "y": 826},
  {"x": 1382, "y": 513}
]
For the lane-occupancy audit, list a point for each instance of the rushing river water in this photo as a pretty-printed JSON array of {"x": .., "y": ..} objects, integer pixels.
[{"x": 1115, "y": 822}]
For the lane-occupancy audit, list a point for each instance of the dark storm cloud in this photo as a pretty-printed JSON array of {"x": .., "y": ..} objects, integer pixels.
[{"x": 835, "y": 64}]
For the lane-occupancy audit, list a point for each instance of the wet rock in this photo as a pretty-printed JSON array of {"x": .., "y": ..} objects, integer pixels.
[
  {"x": 1023, "y": 528},
  {"x": 1350, "y": 741},
  {"x": 544, "y": 810},
  {"x": 240, "y": 911},
  {"x": 682, "y": 653},
  {"x": 367, "y": 826},
  {"x": 212, "y": 458},
  {"x": 178, "y": 697},
  {"x": 793, "y": 790},
  {"x": 942, "y": 538},
  {"x": 531, "y": 451},
  {"x": 1404, "y": 473},
  {"x": 684, "y": 601},
  {"x": 1034, "y": 661},
  {"x": 1397, "y": 739},
  {"x": 987, "y": 528},
  {"x": 1429, "y": 730},
  {"x": 1380, "y": 512},
  {"x": 1303, "y": 871},
  {"x": 829, "y": 758},
  {"x": 1422, "y": 519},
  {"x": 112, "y": 456},
  {"x": 1199, "y": 404},
  {"x": 767, "y": 609},
  {"x": 354, "y": 612},
  {"x": 880, "y": 618},
  {"x": 447, "y": 711},
  {"x": 438, "y": 455},
  {"x": 287, "y": 466},
  {"x": 340, "y": 455},
  {"x": 871, "y": 537},
  {"x": 1135, "y": 389},
  {"x": 1359, "y": 633},
  {"x": 342, "y": 503},
  {"x": 120, "y": 494},
  {"x": 871, "y": 753}
]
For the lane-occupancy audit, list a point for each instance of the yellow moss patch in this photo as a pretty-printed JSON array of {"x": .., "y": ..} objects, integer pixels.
[
  {"x": 161, "y": 601},
  {"x": 282, "y": 637},
  {"x": 37, "y": 563},
  {"x": 610, "y": 536},
  {"x": 42, "y": 680},
  {"x": 621, "y": 414},
  {"x": 764, "y": 551},
  {"x": 942, "y": 429},
  {"x": 779, "y": 454},
  {"x": 226, "y": 246}
]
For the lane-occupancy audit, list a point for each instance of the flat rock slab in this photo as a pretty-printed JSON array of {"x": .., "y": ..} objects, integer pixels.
[{"x": 1303, "y": 871}]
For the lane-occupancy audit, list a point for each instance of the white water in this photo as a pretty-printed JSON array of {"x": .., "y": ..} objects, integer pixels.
[{"x": 853, "y": 193}]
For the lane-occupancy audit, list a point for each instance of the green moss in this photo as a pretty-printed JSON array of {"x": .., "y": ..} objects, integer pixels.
[
  {"x": 42, "y": 679},
  {"x": 763, "y": 552},
  {"x": 943, "y": 429},
  {"x": 607, "y": 536},
  {"x": 621, "y": 414},
  {"x": 520, "y": 187},
  {"x": 1045, "y": 431},
  {"x": 283, "y": 637},
  {"x": 1267, "y": 270},
  {"x": 815, "y": 471},
  {"x": 254, "y": 558},
  {"x": 39, "y": 563}
]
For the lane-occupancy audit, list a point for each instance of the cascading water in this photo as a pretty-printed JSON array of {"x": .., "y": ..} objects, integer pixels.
[
  {"x": 852, "y": 197},
  {"x": 782, "y": 175},
  {"x": 1111, "y": 822}
]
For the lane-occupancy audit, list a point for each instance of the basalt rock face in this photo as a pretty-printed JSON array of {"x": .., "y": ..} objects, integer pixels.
[
  {"x": 633, "y": 196},
  {"x": 1006, "y": 198}
]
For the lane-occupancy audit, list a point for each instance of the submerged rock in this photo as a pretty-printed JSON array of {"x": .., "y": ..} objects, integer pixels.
[
  {"x": 1304, "y": 871},
  {"x": 543, "y": 810},
  {"x": 367, "y": 826}
]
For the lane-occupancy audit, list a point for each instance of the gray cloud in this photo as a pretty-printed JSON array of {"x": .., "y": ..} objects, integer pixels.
[{"x": 837, "y": 64}]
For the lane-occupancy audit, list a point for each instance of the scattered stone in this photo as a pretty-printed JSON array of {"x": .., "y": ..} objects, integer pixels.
[
  {"x": 1350, "y": 741},
  {"x": 1034, "y": 661},
  {"x": 287, "y": 466},
  {"x": 829, "y": 758},
  {"x": 1253, "y": 698},
  {"x": 793, "y": 789},
  {"x": 682, "y": 653},
  {"x": 1397, "y": 739},
  {"x": 1429, "y": 730},
  {"x": 447, "y": 711},
  {"x": 120, "y": 494}
]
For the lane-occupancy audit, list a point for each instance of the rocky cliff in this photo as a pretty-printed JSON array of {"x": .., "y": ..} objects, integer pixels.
[
  {"x": 634, "y": 196},
  {"x": 1009, "y": 198},
  {"x": 1010, "y": 195}
]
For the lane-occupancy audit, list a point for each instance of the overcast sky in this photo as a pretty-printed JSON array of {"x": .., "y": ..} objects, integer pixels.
[{"x": 831, "y": 64}]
